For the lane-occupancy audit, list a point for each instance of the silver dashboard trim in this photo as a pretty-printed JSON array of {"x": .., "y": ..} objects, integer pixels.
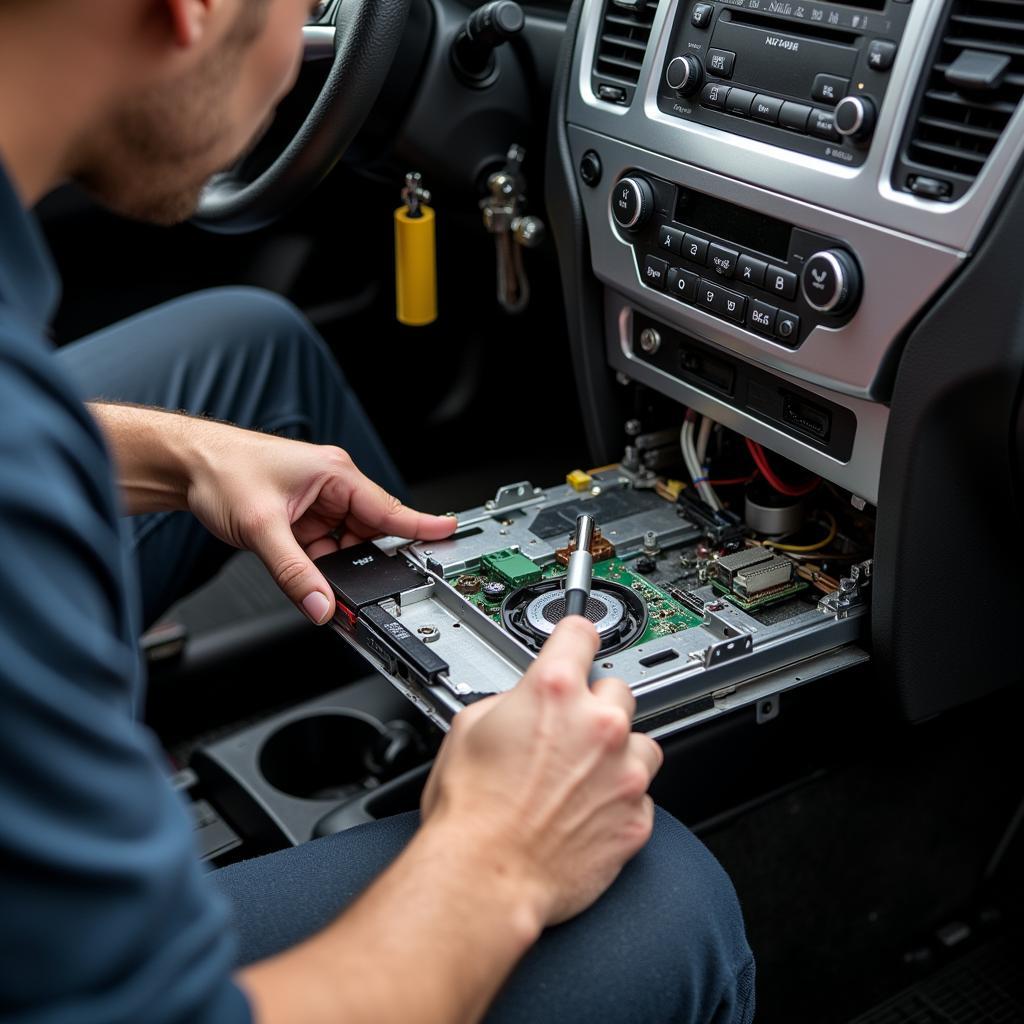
[
  {"x": 864, "y": 193},
  {"x": 901, "y": 274},
  {"x": 860, "y": 474}
]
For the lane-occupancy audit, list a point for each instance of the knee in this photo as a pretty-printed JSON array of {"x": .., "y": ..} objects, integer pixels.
[
  {"x": 690, "y": 925},
  {"x": 253, "y": 317}
]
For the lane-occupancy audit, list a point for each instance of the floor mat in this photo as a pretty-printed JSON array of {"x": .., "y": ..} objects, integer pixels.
[{"x": 984, "y": 987}]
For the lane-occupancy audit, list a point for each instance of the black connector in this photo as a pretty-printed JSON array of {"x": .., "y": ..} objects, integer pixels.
[
  {"x": 806, "y": 416},
  {"x": 719, "y": 527}
]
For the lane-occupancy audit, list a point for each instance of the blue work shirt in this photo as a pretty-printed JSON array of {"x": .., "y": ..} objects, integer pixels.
[{"x": 106, "y": 915}]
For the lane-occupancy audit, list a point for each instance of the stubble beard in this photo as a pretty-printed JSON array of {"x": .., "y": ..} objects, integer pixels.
[{"x": 159, "y": 151}]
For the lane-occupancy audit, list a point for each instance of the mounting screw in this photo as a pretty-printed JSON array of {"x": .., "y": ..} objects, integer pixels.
[{"x": 650, "y": 340}]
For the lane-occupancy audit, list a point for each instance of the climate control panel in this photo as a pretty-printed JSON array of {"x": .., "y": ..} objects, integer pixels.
[{"x": 757, "y": 272}]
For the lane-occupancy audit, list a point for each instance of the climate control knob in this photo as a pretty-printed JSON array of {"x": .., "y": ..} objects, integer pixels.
[
  {"x": 632, "y": 202},
  {"x": 855, "y": 117},
  {"x": 684, "y": 74},
  {"x": 831, "y": 281}
]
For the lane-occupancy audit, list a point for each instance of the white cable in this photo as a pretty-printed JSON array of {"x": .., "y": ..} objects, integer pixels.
[
  {"x": 688, "y": 448},
  {"x": 703, "y": 438}
]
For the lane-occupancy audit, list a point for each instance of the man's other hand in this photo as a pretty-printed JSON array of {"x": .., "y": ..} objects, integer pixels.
[
  {"x": 548, "y": 779},
  {"x": 291, "y": 502}
]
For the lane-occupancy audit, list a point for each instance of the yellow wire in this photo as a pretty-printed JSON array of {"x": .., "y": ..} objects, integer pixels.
[{"x": 803, "y": 549}]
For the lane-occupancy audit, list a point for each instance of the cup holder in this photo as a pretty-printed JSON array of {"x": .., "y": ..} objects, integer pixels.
[{"x": 322, "y": 757}]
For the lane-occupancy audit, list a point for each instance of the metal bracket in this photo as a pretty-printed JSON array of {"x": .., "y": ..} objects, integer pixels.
[
  {"x": 726, "y": 650},
  {"x": 513, "y": 496}
]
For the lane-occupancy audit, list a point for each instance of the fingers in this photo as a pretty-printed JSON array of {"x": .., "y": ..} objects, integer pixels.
[
  {"x": 616, "y": 692},
  {"x": 645, "y": 750},
  {"x": 565, "y": 660},
  {"x": 292, "y": 569},
  {"x": 385, "y": 514},
  {"x": 321, "y": 547}
]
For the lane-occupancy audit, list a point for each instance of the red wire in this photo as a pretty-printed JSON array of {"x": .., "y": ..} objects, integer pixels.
[
  {"x": 734, "y": 480},
  {"x": 789, "y": 490}
]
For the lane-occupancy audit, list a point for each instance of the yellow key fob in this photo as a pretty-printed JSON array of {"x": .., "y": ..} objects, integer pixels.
[{"x": 415, "y": 266}]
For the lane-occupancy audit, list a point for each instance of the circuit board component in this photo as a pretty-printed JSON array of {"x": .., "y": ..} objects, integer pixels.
[
  {"x": 511, "y": 567},
  {"x": 750, "y": 572},
  {"x": 601, "y": 549}
]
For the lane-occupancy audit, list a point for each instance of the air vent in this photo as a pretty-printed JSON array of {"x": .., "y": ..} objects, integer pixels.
[
  {"x": 975, "y": 84},
  {"x": 625, "y": 32}
]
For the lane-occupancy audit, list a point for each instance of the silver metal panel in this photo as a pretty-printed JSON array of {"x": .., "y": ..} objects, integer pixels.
[
  {"x": 768, "y": 686},
  {"x": 862, "y": 193},
  {"x": 484, "y": 658},
  {"x": 861, "y": 474},
  {"x": 901, "y": 274}
]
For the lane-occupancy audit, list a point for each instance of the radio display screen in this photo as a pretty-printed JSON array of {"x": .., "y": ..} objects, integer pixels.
[{"x": 733, "y": 223}]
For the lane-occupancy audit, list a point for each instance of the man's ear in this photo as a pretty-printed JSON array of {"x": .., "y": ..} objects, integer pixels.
[{"x": 189, "y": 19}]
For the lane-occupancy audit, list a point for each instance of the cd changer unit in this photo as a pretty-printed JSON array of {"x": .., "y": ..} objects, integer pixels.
[{"x": 693, "y": 622}]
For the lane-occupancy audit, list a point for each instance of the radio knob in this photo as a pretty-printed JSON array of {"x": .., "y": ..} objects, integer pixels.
[
  {"x": 831, "y": 281},
  {"x": 855, "y": 117},
  {"x": 632, "y": 202},
  {"x": 684, "y": 74}
]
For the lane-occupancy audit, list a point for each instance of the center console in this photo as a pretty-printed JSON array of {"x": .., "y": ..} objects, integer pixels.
[{"x": 759, "y": 205}]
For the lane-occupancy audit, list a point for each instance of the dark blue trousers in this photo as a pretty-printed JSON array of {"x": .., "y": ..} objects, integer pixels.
[{"x": 666, "y": 943}]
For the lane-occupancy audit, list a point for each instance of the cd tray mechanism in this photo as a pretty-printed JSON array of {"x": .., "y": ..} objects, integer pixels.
[{"x": 696, "y": 624}]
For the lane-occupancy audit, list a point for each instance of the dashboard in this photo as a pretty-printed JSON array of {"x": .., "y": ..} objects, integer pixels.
[{"x": 747, "y": 181}]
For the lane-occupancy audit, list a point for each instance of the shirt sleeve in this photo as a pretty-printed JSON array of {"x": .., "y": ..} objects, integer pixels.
[{"x": 107, "y": 916}]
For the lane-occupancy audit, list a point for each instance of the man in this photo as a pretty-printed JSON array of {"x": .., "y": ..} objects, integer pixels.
[{"x": 537, "y": 803}]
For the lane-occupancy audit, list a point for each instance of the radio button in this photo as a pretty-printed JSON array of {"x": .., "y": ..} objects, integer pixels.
[
  {"x": 683, "y": 284},
  {"x": 739, "y": 101},
  {"x": 701, "y": 15},
  {"x": 720, "y": 63},
  {"x": 855, "y": 117},
  {"x": 732, "y": 304},
  {"x": 881, "y": 54},
  {"x": 654, "y": 272},
  {"x": 714, "y": 95},
  {"x": 695, "y": 248},
  {"x": 829, "y": 89},
  {"x": 751, "y": 271},
  {"x": 707, "y": 293},
  {"x": 766, "y": 108},
  {"x": 670, "y": 240},
  {"x": 831, "y": 281},
  {"x": 787, "y": 327},
  {"x": 823, "y": 124},
  {"x": 781, "y": 282},
  {"x": 723, "y": 260},
  {"x": 762, "y": 317},
  {"x": 794, "y": 116},
  {"x": 684, "y": 74}
]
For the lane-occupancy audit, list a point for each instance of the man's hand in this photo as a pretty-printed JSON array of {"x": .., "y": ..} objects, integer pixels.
[
  {"x": 288, "y": 501},
  {"x": 292, "y": 502},
  {"x": 549, "y": 777},
  {"x": 537, "y": 799}
]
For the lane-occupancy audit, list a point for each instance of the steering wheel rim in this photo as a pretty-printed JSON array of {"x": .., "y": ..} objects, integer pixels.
[{"x": 362, "y": 41}]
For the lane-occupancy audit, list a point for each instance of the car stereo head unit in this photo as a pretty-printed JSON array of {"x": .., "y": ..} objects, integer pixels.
[{"x": 808, "y": 77}]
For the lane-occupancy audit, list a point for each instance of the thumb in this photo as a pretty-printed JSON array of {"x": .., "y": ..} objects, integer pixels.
[{"x": 294, "y": 572}]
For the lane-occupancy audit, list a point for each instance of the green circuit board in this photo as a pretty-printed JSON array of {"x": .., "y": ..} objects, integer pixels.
[{"x": 664, "y": 615}]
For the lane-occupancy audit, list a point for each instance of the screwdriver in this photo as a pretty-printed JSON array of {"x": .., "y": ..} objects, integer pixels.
[{"x": 581, "y": 568}]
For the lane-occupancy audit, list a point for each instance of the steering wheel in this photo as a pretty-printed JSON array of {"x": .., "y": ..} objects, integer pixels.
[{"x": 361, "y": 38}]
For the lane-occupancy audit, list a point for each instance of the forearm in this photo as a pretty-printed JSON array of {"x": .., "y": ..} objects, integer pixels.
[
  {"x": 431, "y": 942},
  {"x": 153, "y": 451}
]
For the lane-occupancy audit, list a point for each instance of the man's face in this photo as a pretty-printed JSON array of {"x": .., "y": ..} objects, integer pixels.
[{"x": 162, "y": 145}]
